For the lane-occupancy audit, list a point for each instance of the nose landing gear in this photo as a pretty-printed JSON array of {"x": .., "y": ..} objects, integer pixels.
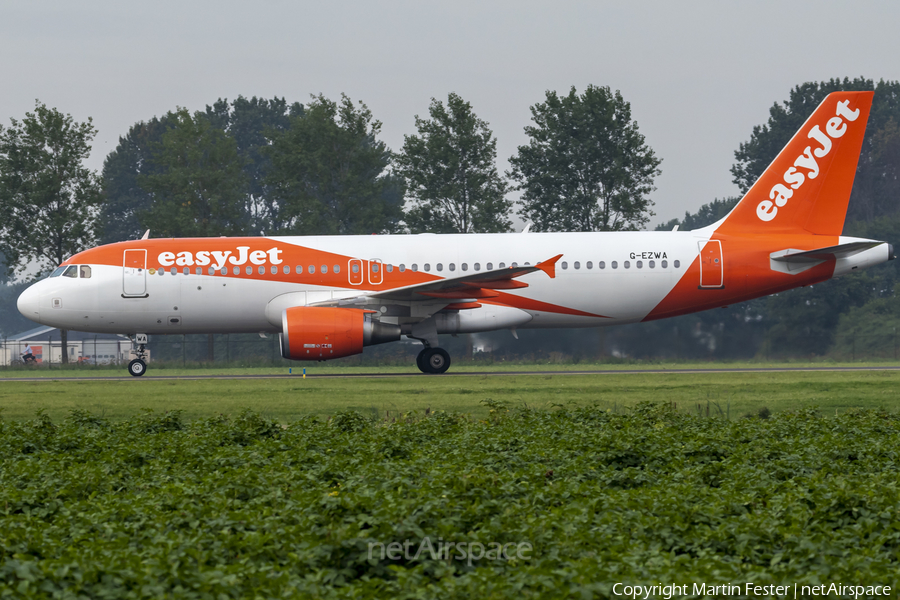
[{"x": 138, "y": 366}]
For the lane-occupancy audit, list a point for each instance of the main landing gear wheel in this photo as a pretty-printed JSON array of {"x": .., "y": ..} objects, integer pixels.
[
  {"x": 433, "y": 360},
  {"x": 137, "y": 367}
]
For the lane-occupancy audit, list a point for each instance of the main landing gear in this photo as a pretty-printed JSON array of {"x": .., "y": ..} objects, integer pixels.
[
  {"x": 433, "y": 360},
  {"x": 138, "y": 366}
]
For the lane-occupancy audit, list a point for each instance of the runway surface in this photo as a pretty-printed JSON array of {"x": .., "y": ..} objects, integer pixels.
[{"x": 151, "y": 377}]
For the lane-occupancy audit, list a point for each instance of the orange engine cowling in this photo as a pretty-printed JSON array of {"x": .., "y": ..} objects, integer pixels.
[{"x": 322, "y": 333}]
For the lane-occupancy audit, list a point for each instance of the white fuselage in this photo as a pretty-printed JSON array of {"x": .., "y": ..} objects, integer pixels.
[{"x": 601, "y": 279}]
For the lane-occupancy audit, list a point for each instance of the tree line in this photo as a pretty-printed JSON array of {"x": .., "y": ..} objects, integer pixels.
[{"x": 266, "y": 166}]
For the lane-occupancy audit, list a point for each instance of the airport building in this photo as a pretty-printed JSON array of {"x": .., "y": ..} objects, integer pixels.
[{"x": 46, "y": 345}]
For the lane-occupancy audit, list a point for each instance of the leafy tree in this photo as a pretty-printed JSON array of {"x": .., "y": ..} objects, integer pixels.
[
  {"x": 869, "y": 330},
  {"x": 330, "y": 172},
  {"x": 200, "y": 187},
  {"x": 451, "y": 175},
  {"x": 125, "y": 198},
  {"x": 49, "y": 201},
  {"x": 873, "y": 194},
  {"x": 706, "y": 215},
  {"x": 248, "y": 122},
  {"x": 803, "y": 320},
  {"x": 586, "y": 167}
]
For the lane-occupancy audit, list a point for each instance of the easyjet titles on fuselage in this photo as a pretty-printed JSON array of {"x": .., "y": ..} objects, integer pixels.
[
  {"x": 793, "y": 179},
  {"x": 219, "y": 258}
]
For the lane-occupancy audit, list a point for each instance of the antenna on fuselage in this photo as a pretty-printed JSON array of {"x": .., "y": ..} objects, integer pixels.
[
  {"x": 527, "y": 227},
  {"x": 146, "y": 235}
]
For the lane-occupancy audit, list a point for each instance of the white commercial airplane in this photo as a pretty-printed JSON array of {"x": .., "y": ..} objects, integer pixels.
[{"x": 330, "y": 296}]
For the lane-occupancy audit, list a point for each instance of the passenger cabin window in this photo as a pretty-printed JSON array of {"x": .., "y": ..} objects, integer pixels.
[
  {"x": 389, "y": 268},
  {"x": 626, "y": 264},
  {"x": 402, "y": 268},
  {"x": 490, "y": 266},
  {"x": 614, "y": 265},
  {"x": 440, "y": 267},
  {"x": 415, "y": 267},
  {"x": 577, "y": 265},
  {"x": 261, "y": 270},
  {"x": 477, "y": 266},
  {"x": 85, "y": 272},
  {"x": 452, "y": 267},
  {"x": 502, "y": 265},
  {"x": 323, "y": 269},
  {"x": 186, "y": 270},
  {"x": 664, "y": 264},
  {"x": 601, "y": 264},
  {"x": 640, "y": 264},
  {"x": 564, "y": 265},
  {"x": 589, "y": 265},
  {"x": 299, "y": 269},
  {"x": 677, "y": 263},
  {"x": 337, "y": 268},
  {"x": 652, "y": 264}
]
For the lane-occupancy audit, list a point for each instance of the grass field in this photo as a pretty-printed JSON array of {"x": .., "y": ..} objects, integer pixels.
[{"x": 720, "y": 394}]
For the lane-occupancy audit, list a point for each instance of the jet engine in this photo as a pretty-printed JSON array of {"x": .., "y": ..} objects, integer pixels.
[{"x": 322, "y": 333}]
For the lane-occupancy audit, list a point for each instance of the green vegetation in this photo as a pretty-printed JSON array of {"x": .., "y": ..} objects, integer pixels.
[
  {"x": 286, "y": 399},
  {"x": 241, "y": 507}
]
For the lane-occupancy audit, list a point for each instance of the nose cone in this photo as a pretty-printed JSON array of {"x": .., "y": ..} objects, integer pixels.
[{"x": 28, "y": 303}]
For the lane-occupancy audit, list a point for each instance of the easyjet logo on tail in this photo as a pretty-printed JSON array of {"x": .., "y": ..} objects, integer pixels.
[{"x": 794, "y": 177}]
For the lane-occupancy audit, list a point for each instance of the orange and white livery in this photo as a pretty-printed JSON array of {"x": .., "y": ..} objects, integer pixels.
[{"x": 330, "y": 296}]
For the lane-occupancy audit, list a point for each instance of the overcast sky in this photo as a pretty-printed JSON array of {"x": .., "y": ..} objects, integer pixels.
[{"x": 698, "y": 75}]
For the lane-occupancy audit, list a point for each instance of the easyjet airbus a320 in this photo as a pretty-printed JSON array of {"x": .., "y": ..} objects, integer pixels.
[{"x": 329, "y": 297}]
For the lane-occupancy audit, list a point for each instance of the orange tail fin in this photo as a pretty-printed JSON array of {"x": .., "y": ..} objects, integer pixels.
[{"x": 807, "y": 186}]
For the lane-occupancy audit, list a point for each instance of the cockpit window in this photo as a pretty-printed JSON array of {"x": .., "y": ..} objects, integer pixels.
[
  {"x": 85, "y": 272},
  {"x": 57, "y": 271},
  {"x": 71, "y": 271}
]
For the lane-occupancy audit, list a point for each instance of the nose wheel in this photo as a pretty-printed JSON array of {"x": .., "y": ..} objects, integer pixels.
[
  {"x": 433, "y": 361},
  {"x": 138, "y": 366}
]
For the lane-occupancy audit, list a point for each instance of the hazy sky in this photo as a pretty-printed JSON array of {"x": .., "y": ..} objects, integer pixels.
[{"x": 698, "y": 75}]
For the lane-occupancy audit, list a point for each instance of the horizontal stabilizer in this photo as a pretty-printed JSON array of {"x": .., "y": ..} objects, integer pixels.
[
  {"x": 820, "y": 254},
  {"x": 794, "y": 261}
]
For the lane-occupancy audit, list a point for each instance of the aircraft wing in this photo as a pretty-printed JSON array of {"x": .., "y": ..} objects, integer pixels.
[{"x": 480, "y": 285}]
